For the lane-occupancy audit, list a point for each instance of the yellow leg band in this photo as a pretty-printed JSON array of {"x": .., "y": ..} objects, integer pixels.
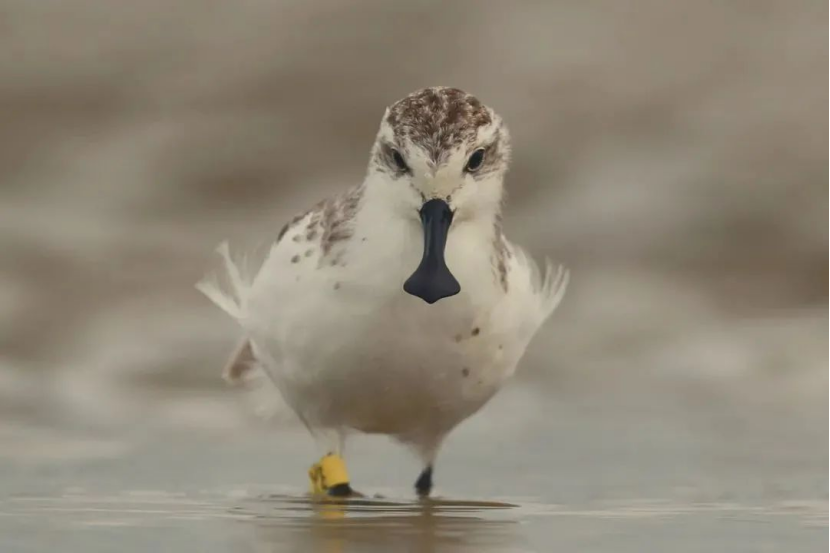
[{"x": 327, "y": 473}]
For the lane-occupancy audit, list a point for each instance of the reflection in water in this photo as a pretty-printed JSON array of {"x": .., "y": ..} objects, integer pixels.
[
  {"x": 298, "y": 524},
  {"x": 205, "y": 522}
]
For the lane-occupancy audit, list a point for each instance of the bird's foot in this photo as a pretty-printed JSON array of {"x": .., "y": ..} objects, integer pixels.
[
  {"x": 423, "y": 486},
  {"x": 330, "y": 477}
]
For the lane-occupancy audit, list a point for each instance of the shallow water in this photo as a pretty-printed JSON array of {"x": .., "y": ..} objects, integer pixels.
[
  {"x": 202, "y": 522},
  {"x": 525, "y": 475}
]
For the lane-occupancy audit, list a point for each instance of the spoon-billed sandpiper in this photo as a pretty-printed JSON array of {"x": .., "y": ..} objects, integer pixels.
[{"x": 398, "y": 307}]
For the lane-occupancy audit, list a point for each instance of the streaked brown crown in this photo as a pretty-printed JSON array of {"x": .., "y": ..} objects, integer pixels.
[{"x": 438, "y": 119}]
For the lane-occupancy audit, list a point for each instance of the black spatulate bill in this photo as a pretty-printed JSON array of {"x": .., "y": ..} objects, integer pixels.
[{"x": 432, "y": 280}]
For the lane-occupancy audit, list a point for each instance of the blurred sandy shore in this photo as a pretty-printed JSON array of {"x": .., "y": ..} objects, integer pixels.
[{"x": 672, "y": 155}]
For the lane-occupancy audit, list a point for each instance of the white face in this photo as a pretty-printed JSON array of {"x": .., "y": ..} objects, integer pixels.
[
  {"x": 467, "y": 174},
  {"x": 440, "y": 157}
]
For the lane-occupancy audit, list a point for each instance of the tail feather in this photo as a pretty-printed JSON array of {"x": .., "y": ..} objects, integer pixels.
[
  {"x": 547, "y": 283},
  {"x": 225, "y": 289},
  {"x": 553, "y": 286},
  {"x": 228, "y": 288}
]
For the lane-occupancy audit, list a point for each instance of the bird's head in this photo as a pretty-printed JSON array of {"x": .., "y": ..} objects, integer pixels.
[{"x": 441, "y": 156}]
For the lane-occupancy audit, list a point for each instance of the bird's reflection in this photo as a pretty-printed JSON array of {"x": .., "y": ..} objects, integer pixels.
[{"x": 299, "y": 524}]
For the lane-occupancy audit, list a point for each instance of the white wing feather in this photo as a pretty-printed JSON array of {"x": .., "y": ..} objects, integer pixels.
[{"x": 228, "y": 288}]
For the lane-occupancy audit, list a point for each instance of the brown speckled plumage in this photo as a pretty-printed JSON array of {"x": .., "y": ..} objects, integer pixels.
[
  {"x": 438, "y": 118},
  {"x": 501, "y": 253},
  {"x": 328, "y": 223},
  {"x": 294, "y": 220},
  {"x": 338, "y": 214}
]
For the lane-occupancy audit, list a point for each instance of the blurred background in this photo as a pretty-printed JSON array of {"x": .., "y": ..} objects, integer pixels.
[{"x": 672, "y": 154}]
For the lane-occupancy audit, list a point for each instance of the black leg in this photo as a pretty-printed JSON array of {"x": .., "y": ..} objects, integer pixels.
[
  {"x": 340, "y": 490},
  {"x": 424, "y": 483}
]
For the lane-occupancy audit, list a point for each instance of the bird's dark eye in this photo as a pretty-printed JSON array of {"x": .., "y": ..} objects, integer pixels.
[
  {"x": 399, "y": 161},
  {"x": 475, "y": 160}
]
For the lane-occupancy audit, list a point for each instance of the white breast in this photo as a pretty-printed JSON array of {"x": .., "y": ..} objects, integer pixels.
[{"x": 347, "y": 346}]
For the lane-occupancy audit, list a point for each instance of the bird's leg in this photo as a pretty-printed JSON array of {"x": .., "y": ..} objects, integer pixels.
[
  {"x": 423, "y": 485},
  {"x": 427, "y": 447},
  {"x": 330, "y": 477}
]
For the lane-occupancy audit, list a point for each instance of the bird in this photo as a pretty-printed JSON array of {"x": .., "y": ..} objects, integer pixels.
[{"x": 397, "y": 306}]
